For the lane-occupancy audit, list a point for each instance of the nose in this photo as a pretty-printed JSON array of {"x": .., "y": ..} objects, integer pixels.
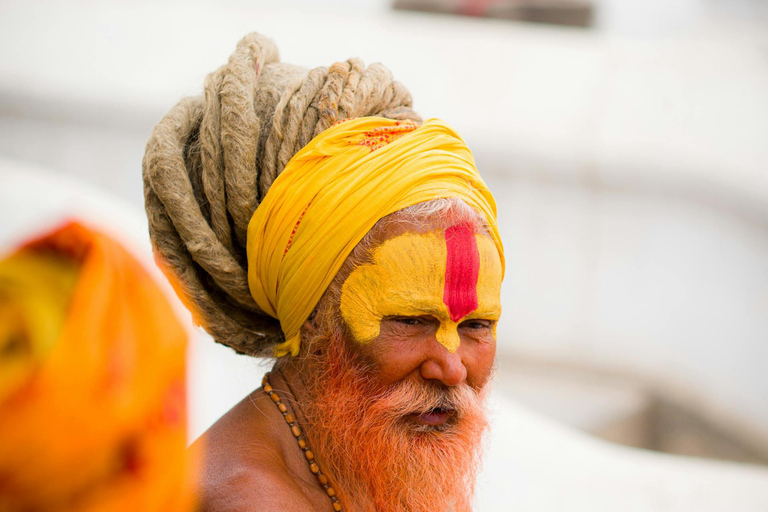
[{"x": 444, "y": 366}]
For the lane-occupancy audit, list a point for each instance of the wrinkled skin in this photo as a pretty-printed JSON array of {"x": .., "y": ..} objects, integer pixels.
[{"x": 253, "y": 461}]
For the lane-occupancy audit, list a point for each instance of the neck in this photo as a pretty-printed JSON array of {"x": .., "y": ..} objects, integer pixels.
[{"x": 286, "y": 378}]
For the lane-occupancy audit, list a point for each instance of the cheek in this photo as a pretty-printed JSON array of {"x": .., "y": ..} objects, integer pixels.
[
  {"x": 479, "y": 359},
  {"x": 393, "y": 357}
]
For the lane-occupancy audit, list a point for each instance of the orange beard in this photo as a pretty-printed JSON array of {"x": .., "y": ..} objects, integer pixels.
[{"x": 365, "y": 439}]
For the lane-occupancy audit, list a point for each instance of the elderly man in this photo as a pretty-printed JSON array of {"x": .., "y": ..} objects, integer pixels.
[{"x": 312, "y": 216}]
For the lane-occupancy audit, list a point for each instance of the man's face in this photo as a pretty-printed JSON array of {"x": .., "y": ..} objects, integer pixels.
[
  {"x": 425, "y": 308},
  {"x": 396, "y": 397}
]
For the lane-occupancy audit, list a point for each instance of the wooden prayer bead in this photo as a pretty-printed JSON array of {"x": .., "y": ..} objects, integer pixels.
[{"x": 308, "y": 454}]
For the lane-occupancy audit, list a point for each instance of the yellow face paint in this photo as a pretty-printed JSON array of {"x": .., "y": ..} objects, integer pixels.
[{"x": 452, "y": 275}]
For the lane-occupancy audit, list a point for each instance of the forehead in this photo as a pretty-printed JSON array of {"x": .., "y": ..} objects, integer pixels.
[
  {"x": 427, "y": 250},
  {"x": 412, "y": 260},
  {"x": 423, "y": 268},
  {"x": 449, "y": 274}
]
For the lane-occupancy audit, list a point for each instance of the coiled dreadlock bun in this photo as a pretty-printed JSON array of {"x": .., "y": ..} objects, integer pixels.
[{"x": 212, "y": 158}]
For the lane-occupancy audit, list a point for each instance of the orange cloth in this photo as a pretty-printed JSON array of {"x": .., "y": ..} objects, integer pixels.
[{"x": 92, "y": 381}]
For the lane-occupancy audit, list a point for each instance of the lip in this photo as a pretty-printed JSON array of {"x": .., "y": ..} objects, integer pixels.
[{"x": 434, "y": 418}]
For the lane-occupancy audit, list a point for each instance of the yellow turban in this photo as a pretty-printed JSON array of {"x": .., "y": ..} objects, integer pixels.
[{"x": 331, "y": 194}]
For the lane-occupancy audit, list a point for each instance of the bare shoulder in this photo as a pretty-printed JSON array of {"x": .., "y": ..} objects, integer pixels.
[
  {"x": 253, "y": 489},
  {"x": 244, "y": 467}
]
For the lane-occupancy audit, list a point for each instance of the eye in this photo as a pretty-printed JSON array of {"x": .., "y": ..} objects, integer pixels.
[
  {"x": 477, "y": 324},
  {"x": 411, "y": 324},
  {"x": 408, "y": 320}
]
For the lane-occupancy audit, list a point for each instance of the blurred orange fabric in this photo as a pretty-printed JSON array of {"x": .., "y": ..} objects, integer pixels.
[{"x": 92, "y": 381}]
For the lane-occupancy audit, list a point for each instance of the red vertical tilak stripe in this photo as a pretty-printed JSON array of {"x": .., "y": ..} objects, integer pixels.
[{"x": 462, "y": 267}]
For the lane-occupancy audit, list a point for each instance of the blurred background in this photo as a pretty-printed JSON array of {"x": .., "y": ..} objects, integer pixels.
[{"x": 626, "y": 142}]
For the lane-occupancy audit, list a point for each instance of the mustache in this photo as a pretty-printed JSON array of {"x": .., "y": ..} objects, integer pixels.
[{"x": 405, "y": 398}]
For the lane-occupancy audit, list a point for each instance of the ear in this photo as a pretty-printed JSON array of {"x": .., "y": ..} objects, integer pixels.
[{"x": 310, "y": 326}]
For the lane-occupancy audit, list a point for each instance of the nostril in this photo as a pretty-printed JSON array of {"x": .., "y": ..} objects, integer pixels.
[
  {"x": 455, "y": 376},
  {"x": 444, "y": 367}
]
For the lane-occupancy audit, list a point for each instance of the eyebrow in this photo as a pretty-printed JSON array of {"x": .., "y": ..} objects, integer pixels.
[
  {"x": 422, "y": 306},
  {"x": 425, "y": 307}
]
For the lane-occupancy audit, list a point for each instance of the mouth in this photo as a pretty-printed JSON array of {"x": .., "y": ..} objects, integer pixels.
[{"x": 434, "y": 417}]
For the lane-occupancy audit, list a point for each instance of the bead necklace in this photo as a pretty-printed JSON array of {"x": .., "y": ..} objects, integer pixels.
[{"x": 302, "y": 442}]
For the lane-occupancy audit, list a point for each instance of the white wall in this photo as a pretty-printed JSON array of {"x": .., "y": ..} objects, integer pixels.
[{"x": 662, "y": 286}]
